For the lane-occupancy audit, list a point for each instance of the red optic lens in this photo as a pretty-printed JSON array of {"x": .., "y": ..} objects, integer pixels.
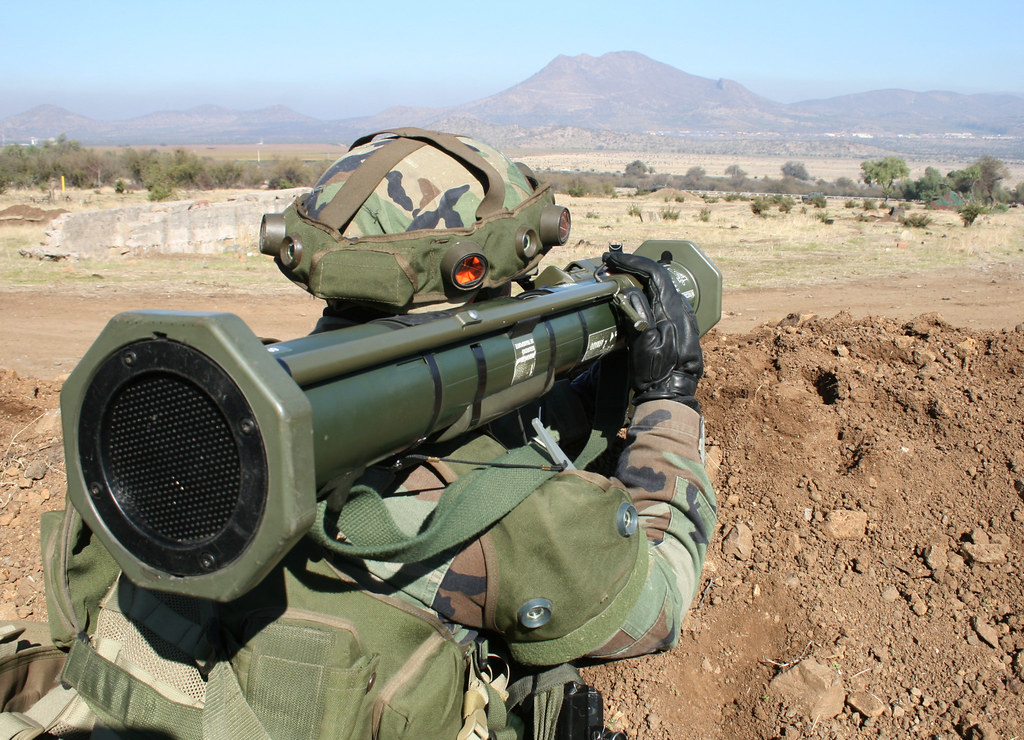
[
  {"x": 470, "y": 271},
  {"x": 564, "y": 224}
]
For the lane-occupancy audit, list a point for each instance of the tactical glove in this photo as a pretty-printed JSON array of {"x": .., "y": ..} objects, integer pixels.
[{"x": 665, "y": 359}]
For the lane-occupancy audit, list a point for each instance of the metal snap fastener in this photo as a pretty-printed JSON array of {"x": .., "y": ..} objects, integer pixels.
[
  {"x": 534, "y": 613},
  {"x": 371, "y": 681},
  {"x": 627, "y": 519}
]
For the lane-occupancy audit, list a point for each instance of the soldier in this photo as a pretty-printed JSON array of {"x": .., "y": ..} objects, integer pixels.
[
  {"x": 597, "y": 561},
  {"x": 601, "y": 598}
]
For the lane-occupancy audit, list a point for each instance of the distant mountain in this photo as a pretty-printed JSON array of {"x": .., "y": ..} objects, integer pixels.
[
  {"x": 46, "y": 121},
  {"x": 906, "y": 112},
  {"x": 614, "y": 96},
  {"x": 626, "y": 91}
]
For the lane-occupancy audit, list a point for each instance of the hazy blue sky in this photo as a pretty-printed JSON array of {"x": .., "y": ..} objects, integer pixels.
[{"x": 329, "y": 60}]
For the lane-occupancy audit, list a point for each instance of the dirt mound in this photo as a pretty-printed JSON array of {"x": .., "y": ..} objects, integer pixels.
[
  {"x": 28, "y": 214},
  {"x": 870, "y": 476},
  {"x": 870, "y": 494}
]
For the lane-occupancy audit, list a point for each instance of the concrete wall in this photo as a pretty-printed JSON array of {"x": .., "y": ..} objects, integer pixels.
[{"x": 180, "y": 227}]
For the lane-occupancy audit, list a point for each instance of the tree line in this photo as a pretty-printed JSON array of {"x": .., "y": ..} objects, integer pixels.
[
  {"x": 982, "y": 183},
  {"x": 162, "y": 174}
]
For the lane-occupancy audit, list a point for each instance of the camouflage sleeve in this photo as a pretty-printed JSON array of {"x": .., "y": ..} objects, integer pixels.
[{"x": 662, "y": 469}]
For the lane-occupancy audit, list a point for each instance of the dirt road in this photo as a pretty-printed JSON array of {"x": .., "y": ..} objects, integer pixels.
[{"x": 44, "y": 333}]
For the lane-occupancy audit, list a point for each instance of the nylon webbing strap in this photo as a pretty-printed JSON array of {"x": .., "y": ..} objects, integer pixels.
[
  {"x": 15, "y": 726},
  {"x": 121, "y": 699},
  {"x": 228, "y": 715},
  {"x": 37, "y": 718},
  {"x": 548, "y": 691},
  {"x": 490, "y": 178},
  {"x": 362, "y": 182},
  {"x": 467, "y": 507}
]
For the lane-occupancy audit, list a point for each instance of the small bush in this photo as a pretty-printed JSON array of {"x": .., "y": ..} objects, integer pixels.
[
  {"x": 870, "y": 205},
  {"x": 824, "y": 217},
  {"x": 818, "y": 201},
  {"x": 634, "y": 210},
  {"x": 760, "y": 206},
  {"x": 671, "y": 214},
  {"x": 851, "y": 204},
  {"x": 970, "y": 212},
  {"x": 785, "y": 203},
  {"x": 709, "y": 198},
  {"x": 917, "y": 220},
  {"x": 160, "y": 191},
  {"x": 704, "y": 215},
  {"x": 592, "y": 214}
]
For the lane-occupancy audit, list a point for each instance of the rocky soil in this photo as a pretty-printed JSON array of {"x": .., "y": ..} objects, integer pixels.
[{"x": 866, "y": 580}]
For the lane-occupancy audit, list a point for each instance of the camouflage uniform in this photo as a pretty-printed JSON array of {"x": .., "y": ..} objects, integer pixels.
[{"x": 660, "y": 469}]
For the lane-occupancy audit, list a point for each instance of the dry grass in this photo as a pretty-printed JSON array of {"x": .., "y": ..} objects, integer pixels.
[
  {"x": 752, "y": 251},
  {"x": 796, "y": 248}
]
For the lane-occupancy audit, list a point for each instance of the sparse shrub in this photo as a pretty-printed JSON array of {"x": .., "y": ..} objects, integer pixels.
[
  {"x": 290, "y": 172},
  {"x": 824, "y": 217},
  {"x": 851, "y": 203},
  {"x": 870, "y": 205},
  {"x": 680, "y": 199},
  {"x": 671, "y": 214},
  {"x": 119, "y": 187},
  {"x": 592, "y": 214},
  {"x": 818, "y": 201},
  {"x": 784, "y": 202},
  {"x": 160, "y": 191},
  {"x": 634, "y": 210},
  {"x": 917, "y": 220},
  {"x": 970, "y": 212},
  {"x": 709, "y": 198},
  {"x": 704, "y": 215},
  {"x": 796, "y": 170},
  {"x": 760, "y": 206}
]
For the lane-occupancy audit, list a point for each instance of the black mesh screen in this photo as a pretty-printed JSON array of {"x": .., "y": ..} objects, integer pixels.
[{"x": 173, "y": 457}]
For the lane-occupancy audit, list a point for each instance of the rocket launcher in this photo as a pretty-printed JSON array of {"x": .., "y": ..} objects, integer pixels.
[{"x": 195, "y": 451}]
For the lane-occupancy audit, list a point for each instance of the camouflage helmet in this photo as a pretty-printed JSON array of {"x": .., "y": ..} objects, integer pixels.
[{"x": 410, "y": 217}]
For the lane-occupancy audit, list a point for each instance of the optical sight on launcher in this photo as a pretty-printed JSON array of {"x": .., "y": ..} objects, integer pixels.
[{"x": 195, "y": 451}]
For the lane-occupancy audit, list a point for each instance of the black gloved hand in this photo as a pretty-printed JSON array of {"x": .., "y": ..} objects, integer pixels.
[{"x": 665, "y": 359}]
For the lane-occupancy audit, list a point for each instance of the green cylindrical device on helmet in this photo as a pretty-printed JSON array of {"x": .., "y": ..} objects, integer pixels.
[{"x": 196, "y": 452}]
